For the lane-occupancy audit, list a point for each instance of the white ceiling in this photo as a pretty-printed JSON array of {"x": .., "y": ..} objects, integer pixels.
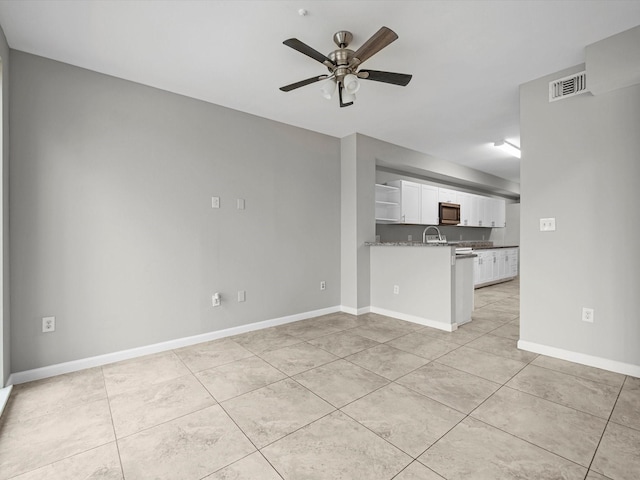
[{"x": 467, "y": 59}]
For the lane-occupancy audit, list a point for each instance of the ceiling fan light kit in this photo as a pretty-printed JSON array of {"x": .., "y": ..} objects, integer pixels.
[{"x": 343, "y": 65}]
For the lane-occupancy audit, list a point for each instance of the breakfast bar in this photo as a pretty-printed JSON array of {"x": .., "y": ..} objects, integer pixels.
[{"x": 422, "y": 283}]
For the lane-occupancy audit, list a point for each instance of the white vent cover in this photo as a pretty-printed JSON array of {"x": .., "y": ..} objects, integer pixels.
[{"x": 568, "y": 86}]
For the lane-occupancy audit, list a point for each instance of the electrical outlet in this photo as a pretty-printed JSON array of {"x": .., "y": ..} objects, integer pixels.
[
  {"x": 215, "y": 202},
  {"x": 410, "y": 237},
  {"x": 587, "y": 314},
  {"x": 323, "y": 285},
  {"x": 215, "y": 300},
  {"x": 240, "y": 204},
  {"x": 396, "y": 289},
  {"x": 242, "y": 295},
  {"x": 48, "y": 324},
  {"x": 547, "y": 224}
]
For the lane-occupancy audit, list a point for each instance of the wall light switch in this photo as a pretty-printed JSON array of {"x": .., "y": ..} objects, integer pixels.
[
  {"x": 242, "y": 295},
  {"x": 215, "y": 202},
  {"x": 547, "y": 224},
  {"x": 241, "y": 204}
]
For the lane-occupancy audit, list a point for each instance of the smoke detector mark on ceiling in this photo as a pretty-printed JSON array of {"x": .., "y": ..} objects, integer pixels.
[{"x": 568, "y": 86}]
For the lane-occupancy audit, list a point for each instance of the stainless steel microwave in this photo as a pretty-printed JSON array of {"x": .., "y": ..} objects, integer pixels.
[{"x": 449, "y": 213}]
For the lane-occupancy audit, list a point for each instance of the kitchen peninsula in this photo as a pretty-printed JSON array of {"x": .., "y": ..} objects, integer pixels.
[{"x": 422, "y": 283}]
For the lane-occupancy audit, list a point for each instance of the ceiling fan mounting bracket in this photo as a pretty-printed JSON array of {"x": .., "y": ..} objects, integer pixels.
[{"x": 342, "y": 38}]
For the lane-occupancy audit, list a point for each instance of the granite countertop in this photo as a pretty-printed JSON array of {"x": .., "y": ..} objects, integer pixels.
[
  {"x": 477, "y": 245},
  {"x": 406, "y": 244}
]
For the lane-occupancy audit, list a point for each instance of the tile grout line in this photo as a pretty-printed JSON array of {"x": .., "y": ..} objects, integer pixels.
[
  {"x": 113, "y": 426},
  {"x": 595, "y": 452},
  {"x": 241, "y": 430}
]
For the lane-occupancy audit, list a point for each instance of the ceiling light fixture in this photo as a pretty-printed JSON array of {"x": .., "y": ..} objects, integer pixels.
[
  {"x": 328, "y": 88},
  {"x": 510, "y": 148},
  {"x": 351, "y": 84}
]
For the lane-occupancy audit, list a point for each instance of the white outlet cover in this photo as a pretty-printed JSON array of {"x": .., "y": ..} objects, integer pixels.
[
  {"x": 48, "y": 324},
  {"x": 215, "y": 202},
  {"x": 547, "y": 224},
  {"x": 242, "y": 295},
  {"x": 396, "y": 289},
  {"x": 240, "y": 204},
  {"x": 588, "y": 314}
]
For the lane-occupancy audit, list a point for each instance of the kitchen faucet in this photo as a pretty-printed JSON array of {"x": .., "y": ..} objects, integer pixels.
[{"x": 424, "y": 234}]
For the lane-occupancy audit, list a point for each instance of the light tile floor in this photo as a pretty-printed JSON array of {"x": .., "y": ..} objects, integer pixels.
[{"x": 335, "y": 397}]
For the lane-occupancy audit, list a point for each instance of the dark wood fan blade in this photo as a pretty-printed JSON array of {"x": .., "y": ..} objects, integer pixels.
[
  {"x": 308, "y": 51},
  {"x": 377, "y": 42},
  {"x": 401, "y": 79},
  {"x": 302, "y": 83}
]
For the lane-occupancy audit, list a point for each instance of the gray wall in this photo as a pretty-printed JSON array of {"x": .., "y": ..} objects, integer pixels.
[
  {"x": 581, "y": 165},
  {"x": 5, "y": 360},
  {"x": 112, "y": 227}
]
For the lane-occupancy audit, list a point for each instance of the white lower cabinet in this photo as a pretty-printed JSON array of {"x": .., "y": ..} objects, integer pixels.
[{"x": 495, "y": 265}]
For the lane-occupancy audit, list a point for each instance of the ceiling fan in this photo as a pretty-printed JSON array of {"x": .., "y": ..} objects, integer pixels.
[{"x": 343, "y": 65}]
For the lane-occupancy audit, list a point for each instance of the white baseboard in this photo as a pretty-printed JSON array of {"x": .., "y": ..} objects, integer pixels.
[
  {"x": 581, "y": 358},
  {"x": 99, "y": 360},
  {"x": 354, "y": 311},
  {"x": 414, "y": 319},
  {"x": 4, "y": 397}
]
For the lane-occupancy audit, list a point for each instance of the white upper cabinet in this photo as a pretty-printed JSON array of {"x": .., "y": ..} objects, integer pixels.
[
  {"x": 387, "y": 204},
  {"x": 446, "y": 195},
  {"x": 494, "y": 212},
  {"x": 402, "y": 201},
  {"x": 500, "y": 213},
  {"x": 410, "y": 201},
  {"x": 466, "y": 206},
  {"x": 429, "y": 214}
]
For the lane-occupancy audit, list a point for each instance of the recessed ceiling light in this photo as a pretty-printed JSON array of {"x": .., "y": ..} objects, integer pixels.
[{"x": 510, "y": 148}]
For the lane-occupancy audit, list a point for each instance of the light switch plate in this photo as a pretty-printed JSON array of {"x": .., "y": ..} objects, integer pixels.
[
  {"x": 241, "y": 204},
  {"x": 547, "y": 224}
]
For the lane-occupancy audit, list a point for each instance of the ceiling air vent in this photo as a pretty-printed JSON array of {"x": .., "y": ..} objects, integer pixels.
[{"x": 568, "y": 86}]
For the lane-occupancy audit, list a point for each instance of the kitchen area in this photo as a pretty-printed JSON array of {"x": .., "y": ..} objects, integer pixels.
[{"x": 435, "y": 244}]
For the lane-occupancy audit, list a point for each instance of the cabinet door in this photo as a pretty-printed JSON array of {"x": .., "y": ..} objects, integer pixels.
[
  {"x": 503, "y": 263},
  {"x": 464, "y": 199},
  {"x": 410, "y": 202},
  {"x": 500, "y": 213},
  {"x": 486, "y": 267},
  {"x": 446, "y": 195},
  {"x": 476, "y": 271},
  {"x": 513, "y": 262},
  {"x": 489, "y": 219},
  {"x": 429, "y": 203},
  {"x": 481, "y": 209}
]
